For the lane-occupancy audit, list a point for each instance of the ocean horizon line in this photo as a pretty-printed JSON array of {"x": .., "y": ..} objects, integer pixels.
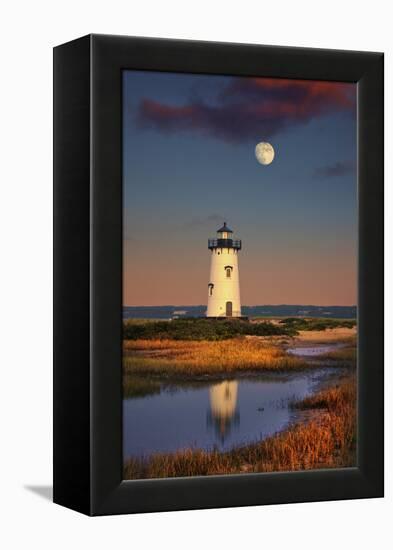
[{"x": 246, "y": 306}]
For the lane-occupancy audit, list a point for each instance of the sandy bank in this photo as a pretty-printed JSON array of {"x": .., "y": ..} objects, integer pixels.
[{"x": 328, "y": 335}]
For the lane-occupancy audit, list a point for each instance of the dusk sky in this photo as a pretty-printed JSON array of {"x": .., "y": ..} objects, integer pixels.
[{"x": 189, "y": 164}]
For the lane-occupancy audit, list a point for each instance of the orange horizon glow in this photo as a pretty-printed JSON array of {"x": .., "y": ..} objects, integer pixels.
[{"x": 306, "y": 281}]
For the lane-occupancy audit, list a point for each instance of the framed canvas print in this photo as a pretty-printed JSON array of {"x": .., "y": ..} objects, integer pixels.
[{"x": 218, "y": 275}]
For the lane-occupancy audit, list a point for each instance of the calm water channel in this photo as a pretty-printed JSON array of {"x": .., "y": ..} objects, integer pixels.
[{"x": 219, "y": 414}]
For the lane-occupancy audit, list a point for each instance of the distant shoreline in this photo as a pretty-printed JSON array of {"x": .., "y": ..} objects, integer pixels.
[{"x": 262, "y": 311}]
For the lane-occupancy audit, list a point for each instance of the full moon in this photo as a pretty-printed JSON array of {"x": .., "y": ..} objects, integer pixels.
[{"x": 264, "y": 153}]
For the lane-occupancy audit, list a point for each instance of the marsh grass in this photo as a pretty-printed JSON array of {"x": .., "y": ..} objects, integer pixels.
[
  {"x": 328, "y": 441},
  {"x": 338, "y": 399},
  {"x": 140, "y": 386},
  {"x": 198, "y": 358},
  {"x": 346, "y": 355}
]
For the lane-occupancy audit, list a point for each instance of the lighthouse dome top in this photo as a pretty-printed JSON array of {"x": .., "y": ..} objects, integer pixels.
[
  {"x": 224, "y": 239},
  {"x": 225, "y": 229}
]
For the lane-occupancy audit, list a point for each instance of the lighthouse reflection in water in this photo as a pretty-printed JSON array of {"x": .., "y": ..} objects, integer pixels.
[
  {"x": 223, "y": 414},
  {"x": 219, "y": 414}
]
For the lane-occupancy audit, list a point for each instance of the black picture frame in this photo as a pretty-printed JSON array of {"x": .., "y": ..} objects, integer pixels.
[{"x": 88, "y": 275}]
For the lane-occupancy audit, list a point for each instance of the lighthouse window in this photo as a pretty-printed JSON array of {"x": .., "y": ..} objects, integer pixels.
[
  {"x": 228, "y": 270},
  {"x": 211, "y": 289}
]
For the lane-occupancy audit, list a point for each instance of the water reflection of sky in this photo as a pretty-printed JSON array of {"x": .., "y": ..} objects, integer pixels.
[{"x": 221, "y": 414}]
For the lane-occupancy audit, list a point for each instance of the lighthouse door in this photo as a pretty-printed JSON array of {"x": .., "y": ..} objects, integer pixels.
[{"x": 228, "y": 309}]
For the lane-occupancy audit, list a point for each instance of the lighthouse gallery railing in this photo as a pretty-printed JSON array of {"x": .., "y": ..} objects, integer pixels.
[{"x": 224, "y": 243}]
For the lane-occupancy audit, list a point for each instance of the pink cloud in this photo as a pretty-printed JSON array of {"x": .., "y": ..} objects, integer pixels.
[{"x": 252, "y": 107}]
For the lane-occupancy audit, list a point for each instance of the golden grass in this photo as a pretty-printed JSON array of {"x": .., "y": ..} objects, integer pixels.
[
  {"x": 338, "y": 399},
  {"x": 329, "y": 441},
  {"x": 193, "y": 358}
]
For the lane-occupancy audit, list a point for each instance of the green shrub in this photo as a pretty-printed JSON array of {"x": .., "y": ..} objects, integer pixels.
[{"x": 201, "y": 329}]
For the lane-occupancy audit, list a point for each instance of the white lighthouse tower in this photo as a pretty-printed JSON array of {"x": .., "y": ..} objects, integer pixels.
[{"x": 224, "y": 292}]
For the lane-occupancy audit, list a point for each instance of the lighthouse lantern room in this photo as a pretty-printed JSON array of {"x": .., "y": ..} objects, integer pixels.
[{"x": 223, "y": 289}]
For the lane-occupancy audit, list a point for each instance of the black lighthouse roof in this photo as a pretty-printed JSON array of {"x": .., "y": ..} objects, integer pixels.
[{"x": 224, "y": 228}]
